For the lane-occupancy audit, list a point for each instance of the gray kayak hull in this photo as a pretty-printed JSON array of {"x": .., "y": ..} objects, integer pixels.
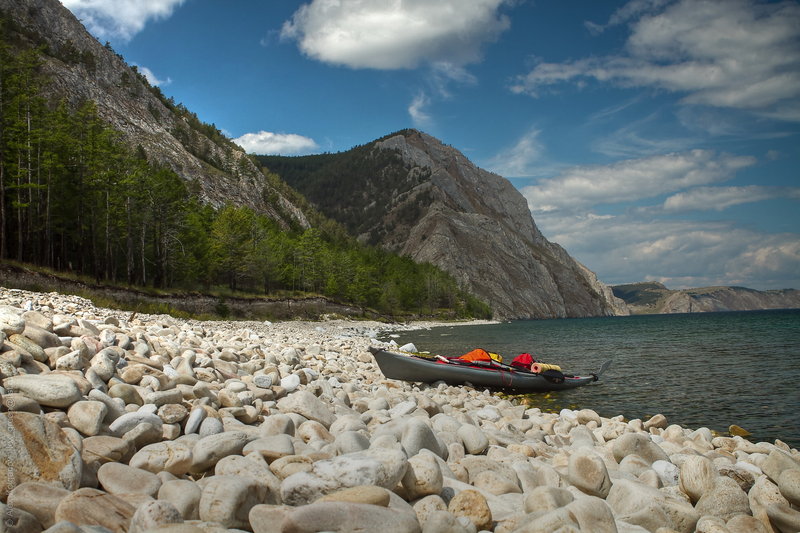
[{"x": 406, "y": 367}]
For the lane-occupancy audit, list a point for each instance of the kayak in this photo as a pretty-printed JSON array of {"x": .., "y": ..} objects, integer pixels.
[{"x": 429, "y": 369}]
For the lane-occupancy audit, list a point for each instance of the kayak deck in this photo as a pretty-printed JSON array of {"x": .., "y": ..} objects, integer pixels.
[{"x": 409, "y": 367}]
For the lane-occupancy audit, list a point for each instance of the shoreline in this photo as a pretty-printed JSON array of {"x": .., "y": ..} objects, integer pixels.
[{"x": 291, "y": 423}]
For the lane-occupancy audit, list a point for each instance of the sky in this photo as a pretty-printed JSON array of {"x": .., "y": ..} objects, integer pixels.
[{"x": 654, "y": 140}]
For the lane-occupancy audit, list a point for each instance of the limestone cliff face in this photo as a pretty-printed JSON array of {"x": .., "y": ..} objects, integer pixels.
[
  {"x": 79, "y": 68},
  {"x": 479, "y": 228}
]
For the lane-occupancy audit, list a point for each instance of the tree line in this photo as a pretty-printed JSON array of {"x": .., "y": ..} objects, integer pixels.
[{"x": 75, "y": 198}]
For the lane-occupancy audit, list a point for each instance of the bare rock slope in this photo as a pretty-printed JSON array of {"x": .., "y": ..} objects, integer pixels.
[{"x": 431, "y": 203}]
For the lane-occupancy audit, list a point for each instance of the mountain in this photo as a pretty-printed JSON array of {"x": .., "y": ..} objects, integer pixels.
[
  {"x": 413, "y": 195},
  {"x": 80, "y": 68},
  {"x": 653, "y": 297}
]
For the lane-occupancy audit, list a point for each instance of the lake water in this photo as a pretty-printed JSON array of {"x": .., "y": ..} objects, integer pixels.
[{"x": 699, "y": 370}]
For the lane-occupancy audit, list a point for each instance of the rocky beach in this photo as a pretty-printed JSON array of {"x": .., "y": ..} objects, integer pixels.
[{"x": 114, "y": 421}]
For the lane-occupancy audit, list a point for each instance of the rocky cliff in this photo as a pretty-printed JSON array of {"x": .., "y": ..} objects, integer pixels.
[
  {"x": 428, "y": 201},
  {"x": 79, "y": 68},
  {"x": 652, "y": 297}
]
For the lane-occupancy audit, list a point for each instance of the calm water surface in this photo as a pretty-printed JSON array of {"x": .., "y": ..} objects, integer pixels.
[{"x": 699, "y": 370}]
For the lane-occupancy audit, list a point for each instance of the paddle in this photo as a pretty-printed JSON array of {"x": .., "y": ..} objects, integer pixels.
[{"x": 603, "y": 368}]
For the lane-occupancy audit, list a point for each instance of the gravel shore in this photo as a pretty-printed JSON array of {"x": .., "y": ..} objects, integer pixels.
[{"x": 119, "y": 422}]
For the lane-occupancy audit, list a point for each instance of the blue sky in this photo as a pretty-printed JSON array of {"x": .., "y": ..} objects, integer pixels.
[{"x": 653, "y": 139}]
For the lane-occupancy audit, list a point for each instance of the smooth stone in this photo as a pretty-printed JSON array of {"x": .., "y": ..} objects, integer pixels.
[
  {"x": 92, "y": 507},
  {"x": 262, "y": 381},
  {"x": 351, "y": 441},
  {"x": 545, "y": 498},
  {"x": 195, "y": 418},
  {"x": 425, "y": 507},
  {"x": 228, "y": 500},
  {"x": 11, "y": 323},
  {"x": 252, "y": 466},
  {"x": 668, "y": 473},
  {"x": 785, "y": 518},
  {"x": 104, "y": 449},
  {"x": 267, "y": 518},
  {"x": 377, "y": 466},
  {"x": 290, "y": 382},
  {"x": 495, "y": 483},
  {"x": 128, "y": 421},
  {"x": 306, "y": 404},
  {"x": 638, "y": 504},
  {"x": 145, "y": 433},
  {"x": 592, "y": 514},
  {"x": 115, "y": 407},
  {"x": 15, "y": 520},
  {"x": 291, "y": 464},
  {"x": 417, "y": 435},
  {"x": 87, "y": 416},
  {"x": 210, "y": 426},
  {"x": 52, "y": 390},
  {"x": 762, "y": 494},
  {"x": 697, "y": 476},
  {"x": 208, "y": 450},
  {"x": 174, "y": 457},
  {"x": 789, "y": 485},
  {"x": 442, "y": 520},
  {"x": 39, "y": 499},
  {"x": 423, "y": 477},
  {"x": 29, "y": 346},
  {"x": 724, "y": 500},
  {"x": 153, "y": 515},
  {"x": 638, "y": 444},
  {"x": 172, "y": 413},
  {"x": 271, "y": 448},
  {"x": 163, "y": 397},
  {"x": 777, "y": 462},
  {"x": 116, "y": 478},
  {"x": 127, "y": 393},
  {"x": 588, "y": 473},
  {"x": 473, "y": 505},
  {"x": 184, "y": 495},
  {"x": 362, "y": 494},
  {"x": 19, "y": 402},
  {"x": 348, "y": 516},
  {"x": 746, "y": 524},
  {"x": 34, "y": 448}
]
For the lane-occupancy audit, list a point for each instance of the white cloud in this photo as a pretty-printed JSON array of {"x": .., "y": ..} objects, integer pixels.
[
  {"x": 268, "y": 143},
  {"x": 632, "y": 179},
  {"x": 521, "y": 159},
  {"x": 679, "y": 253},
  {"x": 390, "y": 34},
  {"x": 720, "y": 198},
  {"x": 151, "y": 77},
  {"x": 736, "y": 54},
  {"x": 119, "y": 18},
  {"x": 416, "y": 109}
]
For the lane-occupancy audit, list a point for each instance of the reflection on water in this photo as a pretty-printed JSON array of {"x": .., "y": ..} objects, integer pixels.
[{"x": 710, "y": 369}]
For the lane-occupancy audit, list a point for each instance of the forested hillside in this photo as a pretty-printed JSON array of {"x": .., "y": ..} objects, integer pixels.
[{"x": 75, "y": 197}]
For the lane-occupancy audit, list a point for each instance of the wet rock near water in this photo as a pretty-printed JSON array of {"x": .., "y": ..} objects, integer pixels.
[{"x": 113, "y": 422}]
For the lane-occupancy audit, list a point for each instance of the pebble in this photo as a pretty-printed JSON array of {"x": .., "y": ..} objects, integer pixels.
[
  {"x": 157, "y": 423},
  {"x": 87, "y": 416},
  {"x": 472, "y": 505},
  {"x": 153, "y": 515},
  {"x": 94, "y": 507},
  {"x": 116, "y": 478},
  {"x": 35, "y": 449},
  {"x": 38, "y": 498},
  {"x": 52, "y": 390}
]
